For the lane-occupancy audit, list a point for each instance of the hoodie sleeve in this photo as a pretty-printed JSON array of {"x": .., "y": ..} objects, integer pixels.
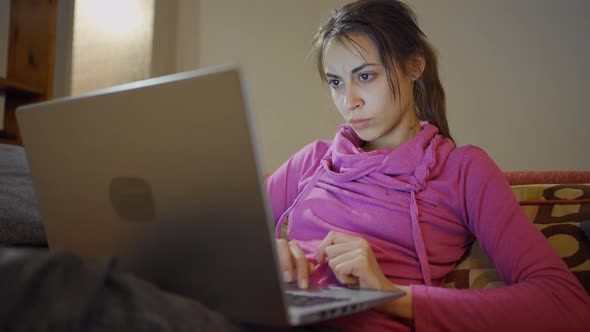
[
  {"x": 285, "y": 183},
  {"x": 541, "y": 293}
]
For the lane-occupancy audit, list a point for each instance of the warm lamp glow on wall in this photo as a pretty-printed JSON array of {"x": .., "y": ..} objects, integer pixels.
[
  {"x": 115, "y": 16},
  {"x": 112, "y": 43}
]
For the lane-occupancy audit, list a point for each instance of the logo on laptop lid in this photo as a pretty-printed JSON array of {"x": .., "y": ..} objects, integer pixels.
[{"x": 132, "y": 198}]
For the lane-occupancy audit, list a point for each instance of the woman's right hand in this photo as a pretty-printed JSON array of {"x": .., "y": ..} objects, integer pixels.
[{"x": 294, "y": 265}]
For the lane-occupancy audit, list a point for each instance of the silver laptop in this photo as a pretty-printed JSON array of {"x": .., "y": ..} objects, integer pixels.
[{"x": 164, "y": 174}]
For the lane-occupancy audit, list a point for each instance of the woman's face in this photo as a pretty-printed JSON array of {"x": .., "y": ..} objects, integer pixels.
[{"x": 361, "y": 92}]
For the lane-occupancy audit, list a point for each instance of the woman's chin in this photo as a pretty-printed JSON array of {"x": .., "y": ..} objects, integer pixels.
[{"x": 365, "y": 134}]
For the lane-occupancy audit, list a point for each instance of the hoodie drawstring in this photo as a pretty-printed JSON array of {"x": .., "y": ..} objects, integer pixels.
[
  {"x": 418, "y": 241},
  {"x": 303, "y": 193}
]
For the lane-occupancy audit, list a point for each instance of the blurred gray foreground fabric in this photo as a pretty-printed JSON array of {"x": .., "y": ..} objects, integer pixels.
[{"x": 58, "y": 291}]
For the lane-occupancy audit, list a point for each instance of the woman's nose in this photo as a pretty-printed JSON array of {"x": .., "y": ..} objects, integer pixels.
[{"x": 352, "y": 99}]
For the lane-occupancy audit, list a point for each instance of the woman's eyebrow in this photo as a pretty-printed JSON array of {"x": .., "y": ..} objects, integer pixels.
[{"x": 354, "y": 71}]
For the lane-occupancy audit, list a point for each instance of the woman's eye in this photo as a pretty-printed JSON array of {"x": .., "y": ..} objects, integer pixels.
[
  {"x": 335, "y": 83},
  {"x": 365, "y": 76}
]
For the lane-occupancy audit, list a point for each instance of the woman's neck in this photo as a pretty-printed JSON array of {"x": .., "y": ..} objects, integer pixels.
[{"x": 393, "y": 139}]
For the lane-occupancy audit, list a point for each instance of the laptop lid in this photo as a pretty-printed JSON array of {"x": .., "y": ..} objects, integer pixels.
[{"x": 163, "y": 173}]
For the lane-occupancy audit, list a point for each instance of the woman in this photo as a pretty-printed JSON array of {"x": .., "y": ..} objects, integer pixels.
[{"x": 391, "y": 203}]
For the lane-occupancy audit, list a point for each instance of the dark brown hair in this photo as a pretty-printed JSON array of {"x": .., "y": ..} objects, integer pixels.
[{"x": 392, "y": 27}]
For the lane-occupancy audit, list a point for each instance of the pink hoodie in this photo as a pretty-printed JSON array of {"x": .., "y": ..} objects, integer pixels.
[{"x": 420, "y": 207}]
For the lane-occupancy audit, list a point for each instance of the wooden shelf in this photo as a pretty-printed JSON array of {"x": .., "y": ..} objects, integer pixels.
[
  {"x": 7, "y": 85},
  {"x": 4, "y": 135},
  {"x": 30, "y": 60}
]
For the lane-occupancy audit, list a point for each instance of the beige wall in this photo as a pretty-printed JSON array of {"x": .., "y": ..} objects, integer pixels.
[
  {"x": 4, "y": 21},
  {"x": 188, "y": 18},
  {"x": 164, "y": 37},
  {"x": 111, "y": 45},
  {"x": 515, "y": 72},
  {"x": 270, "y": 39}
]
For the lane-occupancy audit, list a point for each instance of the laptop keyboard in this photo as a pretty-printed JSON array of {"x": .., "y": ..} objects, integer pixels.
[{"x": 307, "y": 300}]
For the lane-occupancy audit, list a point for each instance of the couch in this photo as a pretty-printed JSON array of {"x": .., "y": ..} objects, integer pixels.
[{"x": 20, "y": 219}]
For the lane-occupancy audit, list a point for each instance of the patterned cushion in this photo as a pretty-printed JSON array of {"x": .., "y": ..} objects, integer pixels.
[{"x": 558, "y": 211}]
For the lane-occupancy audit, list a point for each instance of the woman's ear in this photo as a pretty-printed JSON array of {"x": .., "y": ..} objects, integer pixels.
[{"x": 416, "y": 65}]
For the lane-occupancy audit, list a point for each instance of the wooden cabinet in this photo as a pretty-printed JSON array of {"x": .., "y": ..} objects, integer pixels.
[{"x": 31, "y": 59}]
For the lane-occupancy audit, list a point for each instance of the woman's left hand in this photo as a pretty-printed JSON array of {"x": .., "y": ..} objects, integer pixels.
[{"x": 352, "y": 261}]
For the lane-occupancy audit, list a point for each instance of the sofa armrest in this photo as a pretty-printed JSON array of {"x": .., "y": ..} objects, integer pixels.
[
  {"x": 547, "y": 177},
  {"x": 558, "y": 210}
]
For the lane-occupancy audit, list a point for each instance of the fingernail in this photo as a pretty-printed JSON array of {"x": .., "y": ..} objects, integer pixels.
[{"x": 302, "y": 283}]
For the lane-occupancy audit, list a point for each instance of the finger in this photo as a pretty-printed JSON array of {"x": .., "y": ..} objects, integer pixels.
[
  {"x": 355, "y": 268},
  {"x": 340, "y": 272},
  {"x": 348, "y": 280},
  {"x": 326, "y": 242},
  {"x": 348, "y": 271},
  {"x": 301, "y": 264},
  {"x": 311, "y": 268},
  {"x": 352, "y": 255},
  {"x": 285, "y": 260},
  {"x": 336, "y": 250},
  {"x": 330, "y": 239}
]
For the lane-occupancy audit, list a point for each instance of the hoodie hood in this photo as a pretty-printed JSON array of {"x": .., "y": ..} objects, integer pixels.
[{"x": 409, "y": 165}]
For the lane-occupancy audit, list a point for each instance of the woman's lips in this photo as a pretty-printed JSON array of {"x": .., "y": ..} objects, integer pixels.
[{"x": 359, "y": 123}]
